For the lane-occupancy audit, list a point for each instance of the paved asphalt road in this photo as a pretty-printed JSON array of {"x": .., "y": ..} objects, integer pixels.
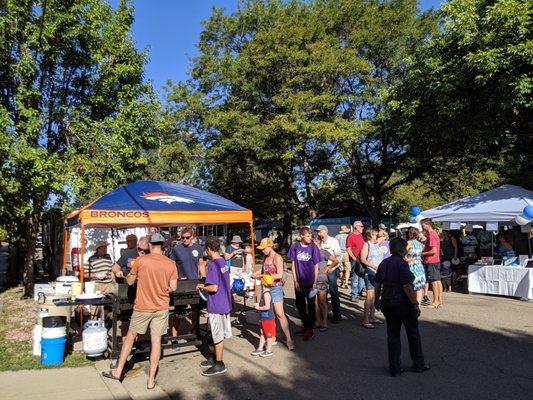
[{"x": 479, "y": 347}]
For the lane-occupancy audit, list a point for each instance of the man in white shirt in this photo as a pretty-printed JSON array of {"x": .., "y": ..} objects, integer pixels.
[{"x": 331, "y": 245}]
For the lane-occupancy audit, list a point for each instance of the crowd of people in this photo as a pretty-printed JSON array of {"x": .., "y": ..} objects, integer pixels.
[{"x": 321, "y": 264}]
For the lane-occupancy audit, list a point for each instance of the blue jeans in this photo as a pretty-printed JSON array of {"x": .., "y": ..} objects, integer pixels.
[
  {"x": 333, "y": 277},
  {"x": 357, "y": 283}
]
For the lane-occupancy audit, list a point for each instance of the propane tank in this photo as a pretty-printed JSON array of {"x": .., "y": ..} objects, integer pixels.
[{"x": 94, "y": 338}]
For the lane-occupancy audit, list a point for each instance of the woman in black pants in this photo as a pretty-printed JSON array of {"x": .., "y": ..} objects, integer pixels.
[{"x": 396, "y": 297}]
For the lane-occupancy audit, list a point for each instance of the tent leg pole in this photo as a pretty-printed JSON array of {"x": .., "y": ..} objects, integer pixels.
[{"x": 65, "y": 247}]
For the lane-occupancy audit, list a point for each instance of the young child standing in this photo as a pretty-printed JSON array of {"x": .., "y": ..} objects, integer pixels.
[
  {"x": 267, "y": 319},
  {"x": 218, "y": 305}
]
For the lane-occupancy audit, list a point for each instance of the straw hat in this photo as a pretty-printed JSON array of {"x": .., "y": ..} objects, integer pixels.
[{"x": 265, "y": 242}]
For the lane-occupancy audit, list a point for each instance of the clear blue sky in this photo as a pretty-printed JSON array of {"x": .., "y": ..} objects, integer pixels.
[{"x": 170, "y": 30}]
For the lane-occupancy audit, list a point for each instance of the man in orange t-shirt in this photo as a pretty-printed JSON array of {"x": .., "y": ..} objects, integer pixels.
[{"x": 156, "y": 277}]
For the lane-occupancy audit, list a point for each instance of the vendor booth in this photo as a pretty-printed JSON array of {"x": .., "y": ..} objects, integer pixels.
[
  {"x": 493, "y": 209},
  {"x": 143, "y": 205},
  {"x": 154, "y": 204}
]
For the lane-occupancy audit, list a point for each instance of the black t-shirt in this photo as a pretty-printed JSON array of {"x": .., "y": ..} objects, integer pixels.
[{"x": 186, "y": 259}]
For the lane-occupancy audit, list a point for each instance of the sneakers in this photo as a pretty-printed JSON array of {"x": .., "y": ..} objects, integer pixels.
[
  {"x": 266, "y": 353},
  {"x": 309, "y": 335},
  {"x": 207, "y": 363},
  {"x": 425, "y": 301},
  {"x": 421, "y": 368},
  {"x": 257, "y": 352},
  {"x": 396, "y": 373},
  {"x": 217, "y": 369}
]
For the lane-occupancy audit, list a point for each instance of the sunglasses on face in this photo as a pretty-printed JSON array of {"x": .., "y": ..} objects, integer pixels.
[
  {"x": 142, "y": 250},
  {"x": 186, "y": 237}
]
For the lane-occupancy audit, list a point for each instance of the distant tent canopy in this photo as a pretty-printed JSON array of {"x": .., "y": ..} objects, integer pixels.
[{"x": 502, "y": 204}]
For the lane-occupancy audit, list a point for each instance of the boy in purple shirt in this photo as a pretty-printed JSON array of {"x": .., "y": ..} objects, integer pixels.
[
  {"x": 305, "y": 257},
  {"x": 217, "y": 286}
]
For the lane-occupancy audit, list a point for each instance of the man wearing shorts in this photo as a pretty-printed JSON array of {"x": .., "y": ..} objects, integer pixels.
[
  {"x": 218, "y": 291},
  {"x": 431, "y": 256},
  {"x": 156, "y": 277}
]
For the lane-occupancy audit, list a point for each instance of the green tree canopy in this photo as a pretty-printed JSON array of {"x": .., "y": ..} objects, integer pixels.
[{"x": 75, "y": 113}]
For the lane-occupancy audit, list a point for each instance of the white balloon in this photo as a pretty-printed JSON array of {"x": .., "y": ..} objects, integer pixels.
[
  {"x": 521, "y": 220},
  {"x": 419, "y": 217}
]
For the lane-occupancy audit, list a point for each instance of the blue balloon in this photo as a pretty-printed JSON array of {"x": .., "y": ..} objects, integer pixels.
[
  {"x": 528, "y": 212},
  {"x": 238, "y": 285},
  {"x": 415, "y": 211},
  {"x": 412, "y": 220}
]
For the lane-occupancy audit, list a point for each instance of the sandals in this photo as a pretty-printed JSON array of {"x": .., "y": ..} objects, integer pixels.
[
  {"x": 368, "y": 326},
  {"x": 109, "y": 375}
]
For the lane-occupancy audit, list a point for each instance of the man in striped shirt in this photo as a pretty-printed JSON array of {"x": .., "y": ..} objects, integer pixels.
[{"x": 100, "y": 271}]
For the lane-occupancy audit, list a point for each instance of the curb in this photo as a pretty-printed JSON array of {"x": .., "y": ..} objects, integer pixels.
[
  {"x": 115, "y": 387},
  {"x": 131, "y": 388}
]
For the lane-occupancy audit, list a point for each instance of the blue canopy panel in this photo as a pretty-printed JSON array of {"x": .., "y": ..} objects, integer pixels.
[{"x": 157, "y": 203}]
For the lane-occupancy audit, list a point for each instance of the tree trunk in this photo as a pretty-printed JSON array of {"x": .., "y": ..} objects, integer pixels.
[
  {"x": 286, "y": 230},
  {"x": 28, "y": 254}
]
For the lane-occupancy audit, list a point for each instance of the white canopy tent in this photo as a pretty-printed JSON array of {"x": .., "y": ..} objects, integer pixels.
[{"x": 502, "y": 204}]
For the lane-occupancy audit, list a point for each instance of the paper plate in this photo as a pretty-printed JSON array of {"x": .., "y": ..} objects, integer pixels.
[
  {"x": 456, "y": 261},
  {"x": 85, "y": 296},
  {"x": 313, "y": 293},
  {"x": 203, "y": 294}
]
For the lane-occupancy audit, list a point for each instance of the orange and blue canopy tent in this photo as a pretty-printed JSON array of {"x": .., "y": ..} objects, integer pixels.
[{"x": 154, "y": 203}]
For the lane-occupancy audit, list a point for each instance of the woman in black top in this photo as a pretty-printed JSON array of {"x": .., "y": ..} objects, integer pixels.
[{"x": 396, "y": 297}]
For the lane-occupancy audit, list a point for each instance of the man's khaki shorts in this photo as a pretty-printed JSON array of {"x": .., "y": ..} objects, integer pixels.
[
  {"x": 345, "y": 264},
  {"x": 157, "y": 321}
]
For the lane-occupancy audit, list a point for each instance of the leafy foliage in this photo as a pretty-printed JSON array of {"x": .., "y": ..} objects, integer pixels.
[{"x": 75, "y": 113}]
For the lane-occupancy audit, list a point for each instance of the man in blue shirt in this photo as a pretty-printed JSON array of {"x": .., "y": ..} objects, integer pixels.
[{"x": 189, "y": 259}]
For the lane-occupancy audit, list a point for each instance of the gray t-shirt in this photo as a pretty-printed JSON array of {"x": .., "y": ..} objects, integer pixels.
[
  {"x": 125, "y": 260},
  {"x": 323, "y": 265}
]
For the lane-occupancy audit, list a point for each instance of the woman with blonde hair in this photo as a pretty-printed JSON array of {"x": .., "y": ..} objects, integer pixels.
[
  {"x": 273, "y": 266},
  {"x": 371, "y": 257}
]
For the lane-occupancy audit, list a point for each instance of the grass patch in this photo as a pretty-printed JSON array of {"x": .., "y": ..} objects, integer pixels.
[{"x": 16, "y": 325}]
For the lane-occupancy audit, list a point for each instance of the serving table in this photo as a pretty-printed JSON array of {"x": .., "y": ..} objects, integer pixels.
[
  {"x": 184, "y": 300},
  {"x": 501, "y": 280}
]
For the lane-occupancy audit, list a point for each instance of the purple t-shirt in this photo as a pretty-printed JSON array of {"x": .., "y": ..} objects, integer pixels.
[
  {"x": 393, "y": 273},
  {"x": 218, "y": 274},
  {"x": 305, "y": 259}
]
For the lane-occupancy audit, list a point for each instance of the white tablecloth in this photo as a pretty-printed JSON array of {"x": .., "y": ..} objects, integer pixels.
[{"x": 504, "y": 281}]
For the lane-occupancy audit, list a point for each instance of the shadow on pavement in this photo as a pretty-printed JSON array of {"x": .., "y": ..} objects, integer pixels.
[{"x": 348, "y": 362}]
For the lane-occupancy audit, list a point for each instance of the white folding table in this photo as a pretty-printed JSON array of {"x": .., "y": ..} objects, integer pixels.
[{"x": 500, "y": 280}]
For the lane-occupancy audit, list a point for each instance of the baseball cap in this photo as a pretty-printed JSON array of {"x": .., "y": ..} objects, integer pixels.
[
  {"x": 321, "y": 228},
  {"x": 382, "y": 226},
  {"x": 265, "y": 242},
  {"x": 157, "y": 238},
  {"x": 101, "y": 244}
]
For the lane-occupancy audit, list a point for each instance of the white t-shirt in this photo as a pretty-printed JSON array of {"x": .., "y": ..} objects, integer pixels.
[{"x": 332, "y": 246}]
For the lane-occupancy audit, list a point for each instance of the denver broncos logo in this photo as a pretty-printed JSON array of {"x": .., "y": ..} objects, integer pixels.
[{"x": 166, "y": 198}]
